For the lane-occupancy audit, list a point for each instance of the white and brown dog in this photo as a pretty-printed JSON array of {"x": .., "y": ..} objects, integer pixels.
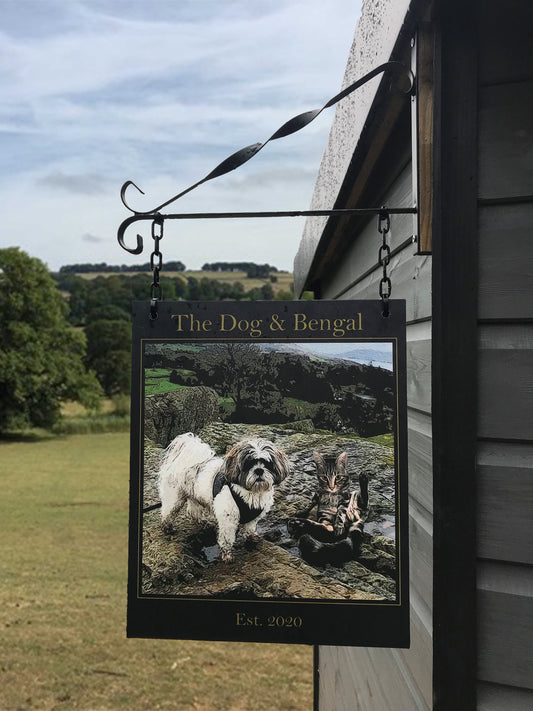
[{"x": 238, "y": 489}]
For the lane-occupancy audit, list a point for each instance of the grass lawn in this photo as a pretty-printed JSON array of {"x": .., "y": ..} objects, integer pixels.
[{"x": 63, "y": 601}]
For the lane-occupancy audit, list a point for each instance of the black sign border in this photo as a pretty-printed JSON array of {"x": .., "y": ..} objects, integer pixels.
[{"x": 332, "y": 622}]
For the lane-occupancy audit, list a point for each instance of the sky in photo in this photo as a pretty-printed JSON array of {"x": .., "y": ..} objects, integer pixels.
[
  {"x": 97, "y": 92},
  {"x": 378, "y": 353}
]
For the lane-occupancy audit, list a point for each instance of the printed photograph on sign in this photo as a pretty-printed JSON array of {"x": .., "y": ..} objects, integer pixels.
[{"x": 268, "y": 471}]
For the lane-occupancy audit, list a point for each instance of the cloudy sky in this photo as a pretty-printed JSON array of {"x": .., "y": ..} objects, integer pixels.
[{"x": 96, "y": 92}]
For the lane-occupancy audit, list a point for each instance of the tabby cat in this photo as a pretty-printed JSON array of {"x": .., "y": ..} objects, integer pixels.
[{"x": 336, "y": 534}]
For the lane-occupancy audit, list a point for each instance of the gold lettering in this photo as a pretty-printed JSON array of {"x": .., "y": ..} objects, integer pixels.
[
  {"x": 300, "y": 322},
  {"x": 178, "y": 317},
  {"x": 255, "y": 330},
  {"x": 338, "y": 330},
  {"x": 233, "y": 322}
]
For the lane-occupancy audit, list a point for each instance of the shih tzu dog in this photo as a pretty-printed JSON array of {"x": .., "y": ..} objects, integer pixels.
[{"x": 237, "y": 489}]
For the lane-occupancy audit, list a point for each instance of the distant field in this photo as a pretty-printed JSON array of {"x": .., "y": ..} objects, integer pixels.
[
  {"x": 157, "y": 381},
  {"x": 284, "y": 279},
  {"x": 64, "y": 510}
]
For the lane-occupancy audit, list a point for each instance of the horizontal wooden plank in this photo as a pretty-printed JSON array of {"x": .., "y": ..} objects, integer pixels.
[
  {"x": 493, "y": 697},
  {"x": 505, "y": 579},
  {"x": 505, "y": 261},
  {"x": 505, "y": 484},
  {"x": 505, "y": 168},
  {"x": 505, "y": 336},
  {"x": 505, "y": 384},
  {"x": 505, "y": 628},
  {"x": 369, "y": 679},
  {"x": 505, "y": 41},
  {"x": 363, "y": 240},
  {"x": 411, "y": 280}
]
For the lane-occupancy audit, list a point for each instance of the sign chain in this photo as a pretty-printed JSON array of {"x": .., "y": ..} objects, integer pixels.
[
  {"x": 384, "y": 254},
  {"x": 156, "y": 291}
]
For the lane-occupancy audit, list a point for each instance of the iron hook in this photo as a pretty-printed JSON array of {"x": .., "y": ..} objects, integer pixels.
[{"x": 122, "y": 229}]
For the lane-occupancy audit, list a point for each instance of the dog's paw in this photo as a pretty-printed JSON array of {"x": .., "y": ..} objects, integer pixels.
[
  {"x": 226, "y": 556},
  {"x": 167, "y": 527}
]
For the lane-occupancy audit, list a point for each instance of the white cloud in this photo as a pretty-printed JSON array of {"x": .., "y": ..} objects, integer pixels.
[
  {"x": 86, "y": 184},
  {"x": 94, "y": 93},
  {"x": 94, "y": 239}
]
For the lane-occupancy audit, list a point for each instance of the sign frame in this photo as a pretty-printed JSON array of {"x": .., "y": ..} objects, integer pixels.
[{"x": 368, "y": 621}]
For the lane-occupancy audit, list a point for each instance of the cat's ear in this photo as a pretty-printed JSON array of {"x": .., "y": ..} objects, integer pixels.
[
  {"x": 342, "y": 460},
  {"x": 318, "y": 460}
]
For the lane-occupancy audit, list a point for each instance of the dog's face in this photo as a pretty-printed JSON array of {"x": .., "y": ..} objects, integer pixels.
[{"x": 256, "y": 465}]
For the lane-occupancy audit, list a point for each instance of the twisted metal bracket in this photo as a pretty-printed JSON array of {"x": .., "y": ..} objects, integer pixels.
[{"x": 242, "y": 156}]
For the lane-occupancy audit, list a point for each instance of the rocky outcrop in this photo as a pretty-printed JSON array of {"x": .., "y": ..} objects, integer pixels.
[
  {"x": 187, "y": 563},
  {"x": 169, "y": 414}
]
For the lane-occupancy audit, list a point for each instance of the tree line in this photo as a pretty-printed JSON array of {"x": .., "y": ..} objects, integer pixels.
[
  {"x": 253, "y": 271},
  {"x": 102, "y": 267},
  {"x": 102, "y": 307},
  {"x": 69, "y": 338},
  {"x": 92, "y": 298}
]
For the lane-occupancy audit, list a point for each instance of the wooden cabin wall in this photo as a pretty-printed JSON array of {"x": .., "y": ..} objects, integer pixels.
[
  {"x": 505, "y": 379},
  {"x": 384, "y": 679}
]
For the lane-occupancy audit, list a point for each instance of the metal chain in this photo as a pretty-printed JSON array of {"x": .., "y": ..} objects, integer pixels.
[
  {"x": 385, "y": 285},
  {"x": 156, "y": 291}
]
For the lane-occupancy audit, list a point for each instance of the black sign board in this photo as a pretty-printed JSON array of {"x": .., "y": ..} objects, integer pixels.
[{"x": 268, "y": 493}]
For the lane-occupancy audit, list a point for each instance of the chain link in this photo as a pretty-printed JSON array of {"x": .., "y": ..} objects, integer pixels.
[
  {"x": 156, "y": 291},
  {"x": 385, "y": 285}
]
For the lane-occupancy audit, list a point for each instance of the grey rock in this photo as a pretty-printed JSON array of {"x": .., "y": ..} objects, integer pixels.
[{"x": 187, "y": 562}]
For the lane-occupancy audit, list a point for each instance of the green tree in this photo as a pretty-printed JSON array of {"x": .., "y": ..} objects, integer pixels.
[
  {"x": 41, "y": 355},
  {"x": 109, "y": 353}
]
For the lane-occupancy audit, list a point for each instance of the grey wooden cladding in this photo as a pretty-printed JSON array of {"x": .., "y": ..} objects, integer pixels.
[
  {"x": 416, "y": 662},
  {"x": 505, "y": 168},
  {"x": 420, "y": 460},
  {"x": 419, "y": 375},
  {"x": 405, "y": 269},
  {"x": 421, "y": 552},
  {"x": 505, "y": 42},
  {"x": 362, "y": 250},
  {"x": 494, "y": 697},
  {"x": 360, "y": 679},
  {"x": 394, "y": 680},
  {"x": 410, "y": 273},
  {"x": 505, "y": 261},
  {"x": 504, "y": 485},
  {"x": 505, "y": 624},
  {"x": 506, "y": 384},
  {"x": 504, "y": 474}
]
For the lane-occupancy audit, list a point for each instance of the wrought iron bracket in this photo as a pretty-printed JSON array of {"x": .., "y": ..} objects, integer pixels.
[
  {"x": 245, "y": 154},
  {"x": 160, "y": 217}
]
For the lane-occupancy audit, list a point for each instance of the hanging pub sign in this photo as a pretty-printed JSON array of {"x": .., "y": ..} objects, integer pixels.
[{"x": 268, "y": 494}]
